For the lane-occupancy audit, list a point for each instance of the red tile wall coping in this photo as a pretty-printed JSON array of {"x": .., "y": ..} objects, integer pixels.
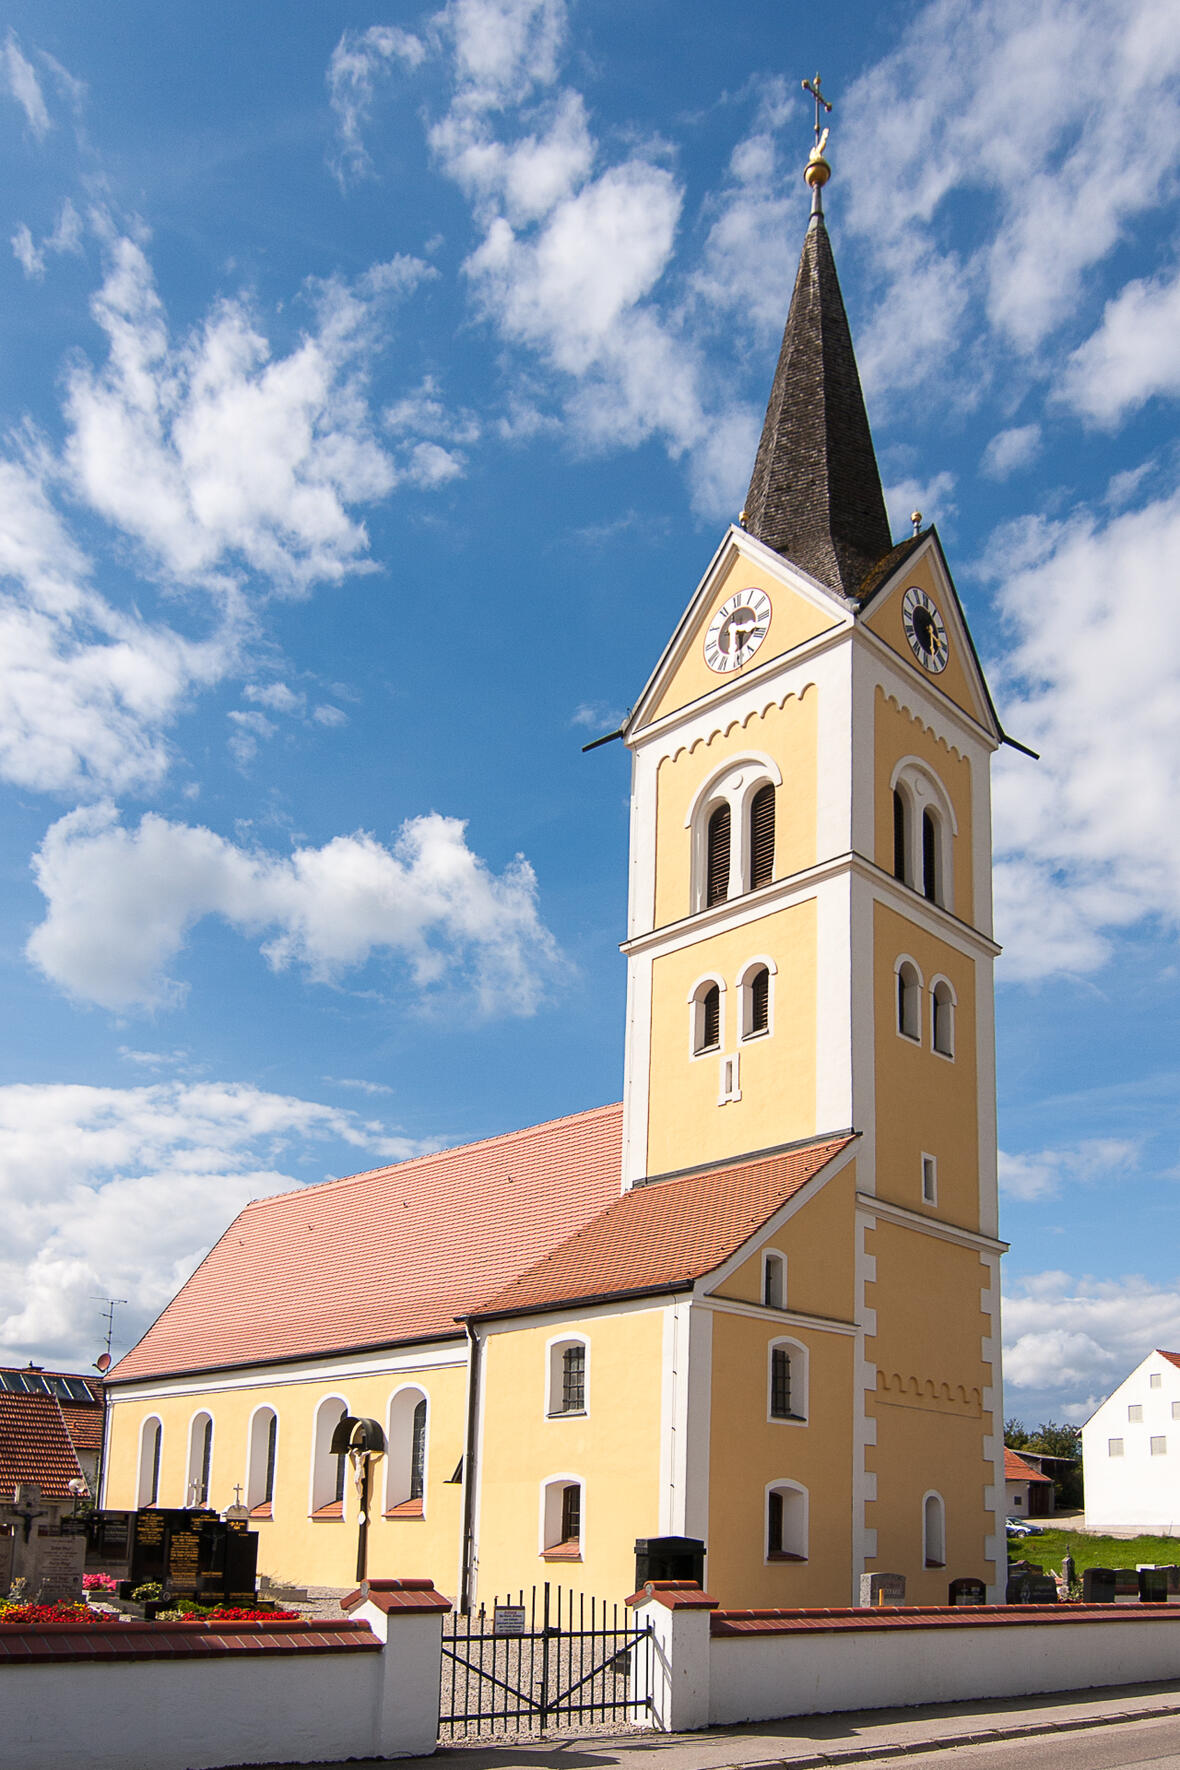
[
  {"x": 675, "y": 1594},
  {"x": 61, "y": 1643},
  {"x": 787, "y": 1622},
  {"x": 397, "y": 1597}
]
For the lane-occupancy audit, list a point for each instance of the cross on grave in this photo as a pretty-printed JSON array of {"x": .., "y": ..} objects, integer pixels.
[
  {"x": 26, "y": 1504},
  {"x": 813, "y": 86},
  {"x": 237, "y": 1493}
]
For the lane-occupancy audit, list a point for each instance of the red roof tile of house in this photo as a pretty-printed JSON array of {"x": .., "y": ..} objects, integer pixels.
[
  {"x": 1016, "y": 1469},
  {"x": 84, "y": 1424},
  {"x": 666, "y": 1234},
  {"x": 387, "y": 1256},
  {"x": 35, "y": 1446},
  {"x": 1172, "y": 1357}
]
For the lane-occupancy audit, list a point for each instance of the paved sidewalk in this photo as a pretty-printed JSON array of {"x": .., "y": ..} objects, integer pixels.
[{"x": 812, "y": 1740}]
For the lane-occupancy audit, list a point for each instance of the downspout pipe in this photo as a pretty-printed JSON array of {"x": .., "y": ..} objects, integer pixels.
[{"x": 474, "y": 1368}]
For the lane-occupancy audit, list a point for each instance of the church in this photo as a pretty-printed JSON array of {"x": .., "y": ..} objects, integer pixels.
[{"x": 755, "y": 1306}]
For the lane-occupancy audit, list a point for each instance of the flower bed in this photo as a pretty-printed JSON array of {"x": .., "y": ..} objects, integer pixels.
[{"x": 25, "y": 1615}]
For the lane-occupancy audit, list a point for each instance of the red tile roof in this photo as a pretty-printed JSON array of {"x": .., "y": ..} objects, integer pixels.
[
  {"x": 84, "y": 1424},
  {"x": 1016, "y": 1469},
  {"x": 35, "y": 1446},
  {"x": 666, "y": 1234},
  {"x": 1172, "y": 1357},
  {"x": 388, "y": 1256}
]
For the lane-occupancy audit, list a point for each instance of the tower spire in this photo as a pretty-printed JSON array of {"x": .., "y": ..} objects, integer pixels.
[{"x": 815, "y": 494}]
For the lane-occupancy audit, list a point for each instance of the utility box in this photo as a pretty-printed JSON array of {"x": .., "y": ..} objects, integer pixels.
[{"x": 669, "y": 1557}]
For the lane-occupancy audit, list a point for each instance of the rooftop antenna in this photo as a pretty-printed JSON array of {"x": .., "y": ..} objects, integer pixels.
[
  {"x": 108, "y": 1315},
  {"x": 817, "y": 171}
]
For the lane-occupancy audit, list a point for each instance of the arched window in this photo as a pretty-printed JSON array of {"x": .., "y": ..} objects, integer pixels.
[
  {"x": 909, "y": 1000},
  {"x": 705, "y": 1012},
  {"x": 562, "y": 1519},
  {"x": 717, "y": 864},
  {"x": 787, "y": 1381},
  {"x": 408, "y": 1437},
  {"x": 923, "y": 826},
  {"x": 260, "y": 1468},
  {"x": 774, "y": 1280},
  {"x": 761, "y": 840},
  {"x": 567, "y": 1377},
  {"x": 786, "y": 1521},
  {"x": 901, "y": 836},
  {"x": 754, "y": 999},
  {"x": 931, "y": 857},
  {"x": 942, "y": 999},
  {"x": 151, "y": 1442},
  {"x": 327, "y": 1471},
  {"x": 200, "y": 1460},
  {"x": 933, "y": 1531}
]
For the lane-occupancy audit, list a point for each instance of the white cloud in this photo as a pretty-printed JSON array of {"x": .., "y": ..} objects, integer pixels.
[
  {"x": 332, "y": 717},
  {"x": 504, "y": 49},
  {"x": 120, "y": 1192},
  {"x": 20, "y": 77},
  {"x": 750, "y": 254},
  {"x": 359, "y": 61},
  {"x": 214, "y": 453},
  {"x": 933, "y": 497},
  {"x": 1024, "y": 103},
  {"x": 1133, "y": 355},
  {"x": 1044, "y": 1173},
  {"x": 1010, "y": 449},
  {"x": 1088, "y": 839},
  {"x": 1075, "y": 1339},
  {"x": 275, "y": 695},
  {"x": 121, "y": 903},
  {"x": 66, "y": 237}
]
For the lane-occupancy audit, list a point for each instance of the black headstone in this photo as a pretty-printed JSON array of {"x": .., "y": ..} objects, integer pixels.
[
  {"x": 1098, "y": 1585},
  {"x": 966, "y": 1591},
  {"x": 1153, "y": 1585}
]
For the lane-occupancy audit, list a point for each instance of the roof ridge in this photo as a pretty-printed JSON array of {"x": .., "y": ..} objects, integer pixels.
[{"x": 434, "y": 1155}]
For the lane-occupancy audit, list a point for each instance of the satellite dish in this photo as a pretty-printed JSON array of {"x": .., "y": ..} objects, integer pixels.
[{"x": 102, "y": 1363}]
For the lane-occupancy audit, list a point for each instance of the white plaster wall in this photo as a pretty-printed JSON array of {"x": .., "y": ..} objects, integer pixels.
[
  {"x": 1136, "y": 1490},
  {"x": 768, "y": 1677}
]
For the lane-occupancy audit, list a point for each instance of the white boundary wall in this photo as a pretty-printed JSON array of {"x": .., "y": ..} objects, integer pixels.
[
  {"x": 189, "y": 1713},
  {"x": 701, "y": 1679}
]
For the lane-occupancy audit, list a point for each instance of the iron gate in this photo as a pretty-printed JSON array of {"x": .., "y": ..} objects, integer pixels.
[{"x": 548, "y": 1658}]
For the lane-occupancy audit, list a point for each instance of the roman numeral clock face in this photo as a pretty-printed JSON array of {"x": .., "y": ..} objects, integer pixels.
[
  {"x": 925, "y": 630},
  {"x": 737, "y": 630}
]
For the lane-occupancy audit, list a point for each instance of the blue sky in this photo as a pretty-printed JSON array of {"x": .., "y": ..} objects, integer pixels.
[{"x": 375, "y": 386}]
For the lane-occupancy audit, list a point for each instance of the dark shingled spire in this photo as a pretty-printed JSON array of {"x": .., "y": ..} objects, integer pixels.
[{"x": 815, "y": 495}]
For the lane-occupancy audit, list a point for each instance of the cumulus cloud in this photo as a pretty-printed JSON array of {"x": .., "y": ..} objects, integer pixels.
[
  {"x": 359, "y": 61},
  {"x": 1073, "y": 1339},
  {"x": 1010, "y": 449},
  {"x": 1042, "y": 1174},
  {"x": 122, "y": 901},
  {"x": 1025, "y": 103},
  {"x": 1087, "y": 840},
  {"x": 1133, "y": 356},
  {"x": 120, "y": 1192},
  {"x": 934, "y": 497},
  {"x": 20, "y": 78}
]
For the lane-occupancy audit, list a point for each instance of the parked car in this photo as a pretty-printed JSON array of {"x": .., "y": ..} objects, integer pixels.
[{"x": 1023, "y": 1527}]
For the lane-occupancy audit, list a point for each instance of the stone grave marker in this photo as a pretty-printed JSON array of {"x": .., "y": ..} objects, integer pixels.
[
  {"x": 877, "y": 1589},
  {"x": 1153, "y": 1585},
  {"x": 58, "y": 1565},
  {"x": 1030, "y": 1584},
  {"x": 966, "y": 1591},
  {"x": 1098, "y": 1585}
]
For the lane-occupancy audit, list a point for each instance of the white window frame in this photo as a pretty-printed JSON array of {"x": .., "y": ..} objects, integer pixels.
[
  {"x": 1155, "y": 1380},
  {"x": 549, "y": 1518},
  {"x": 257, "y": 1445},
  {"x": 143, "y": 1478},
  {"x": 1159, "y": 1445},
  {"x": 399, "y": 1445},
  {"x": 922, "y": 790},
  {"x": 696, "y": 1016},
  {"x": 933, "y": 1498},
  {"x": 800, "y": 1381},
  {"x": 1114, "y": 1447},
  {"x": 936, "y": 983},
  {"x": 729, "y": 1078},
  {"x": 322, "y": 1460},
  {"x": 555, "y": 1351},
  {"x": 196, "y": 1458},
  {"x": 1135, "y": 1413},
  {"x": 734, "y": 783},
  {"x": 918, "y": 987},
  {"x": 763, "y": 962},
  {"x": 929, "y": 1179},
  {"x": 799, "y": 1518},
  {"x": 776, "y": 1254}
]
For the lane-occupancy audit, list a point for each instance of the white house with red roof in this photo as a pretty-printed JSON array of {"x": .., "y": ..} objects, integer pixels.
[
  {"x": 1027, "y": 1493},
  {"x": 1131, "y": 1451}
]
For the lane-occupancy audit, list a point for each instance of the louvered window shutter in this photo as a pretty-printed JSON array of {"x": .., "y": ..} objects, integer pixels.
[
  {"x": 760, "y": 1001},
  {"x": 711, "y": 1019},
  {"x": 762, "y": 837},
  {"x": 717, "y": 881}
]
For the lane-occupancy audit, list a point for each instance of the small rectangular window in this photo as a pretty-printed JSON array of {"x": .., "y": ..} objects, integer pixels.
[
  {"x": 1155, "y": 1380},
  {"x": 780, "y": 1383},
  {"x": 929, "y": 1180},
  {"x": 728, "y": 1088},
  {"x": 1159, "y": 1447},
  {"x": 1114, "y": 1447},
  {"x": 774, "y": 1523},
  {"x": 1176, "y": 1410},
  {"x": 1135, "y": 1413}
]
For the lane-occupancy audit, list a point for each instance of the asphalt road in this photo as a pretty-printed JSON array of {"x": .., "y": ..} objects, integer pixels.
[{"x": 1126, "y": 1744}]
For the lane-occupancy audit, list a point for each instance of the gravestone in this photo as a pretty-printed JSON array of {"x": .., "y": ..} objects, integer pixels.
[
  {"x": 1030, "y": 1584},
  {"x": 1153, "y": 1585},
  {"x": 1098, "y": 1585},
  {"x": 877, "y": 1589},
  {"x": 966, "y": 1591},
  {"x": 1126, "y": 1582},
  {"x": 195, "y": 1555},
  {"x": 6, "y": 1547},
  {"x": 58, "y": 1565},
  {"x": 108, "y": 1536},
  {"x": 151, "y": 1539}
]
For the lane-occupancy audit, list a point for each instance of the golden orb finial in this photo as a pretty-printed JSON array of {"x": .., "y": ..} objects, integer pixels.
[
  {"x": 916, "y": 519},
  {"x": 817, "y": 171}
]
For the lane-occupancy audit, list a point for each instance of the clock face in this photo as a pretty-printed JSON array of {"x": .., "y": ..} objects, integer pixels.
[
  {"x": 737, "y": 630},
  {"x": 925, "y": 630}
]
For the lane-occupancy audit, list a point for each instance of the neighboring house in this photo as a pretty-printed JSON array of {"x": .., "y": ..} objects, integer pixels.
[
  {"x": 1131, "y": 1451},
  {"x": 80, "y": 1404},
  {"x": 35, "y": 1447},
  {"x": 755, "y": 1305},
  {"x": 1029, "y": 1493}
]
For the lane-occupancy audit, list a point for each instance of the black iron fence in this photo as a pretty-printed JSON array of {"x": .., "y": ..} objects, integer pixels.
[{"x": 540, "y": 1660}]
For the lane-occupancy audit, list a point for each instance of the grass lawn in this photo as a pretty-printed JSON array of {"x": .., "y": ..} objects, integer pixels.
[{"x": 1047, "y": 1550}]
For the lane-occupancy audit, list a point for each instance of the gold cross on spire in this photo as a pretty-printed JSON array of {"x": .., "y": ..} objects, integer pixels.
[{"x": 821, "y": 103}]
